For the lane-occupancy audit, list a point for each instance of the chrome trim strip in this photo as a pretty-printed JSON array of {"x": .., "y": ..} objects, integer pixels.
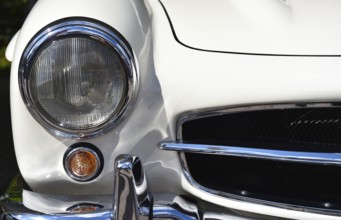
[
  {"x": 159, "y": 212},
  {"x": 281, "y": 155},
  {"x": 88, "y": 28}
]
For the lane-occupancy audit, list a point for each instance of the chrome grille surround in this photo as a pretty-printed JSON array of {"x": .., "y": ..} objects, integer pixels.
[{"x": 204, "y": 149}]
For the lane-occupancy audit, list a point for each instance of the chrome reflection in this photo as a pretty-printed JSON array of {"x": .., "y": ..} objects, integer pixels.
[
  {"x": 168, "y": 212},
  {"x": 90, "y": 216},
  {"x": 130, "y": 202},
  {"x": 281, "y": 155}
]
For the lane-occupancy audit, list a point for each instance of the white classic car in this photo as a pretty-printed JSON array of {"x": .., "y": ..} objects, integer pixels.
[{"x": 178, "y": 109}]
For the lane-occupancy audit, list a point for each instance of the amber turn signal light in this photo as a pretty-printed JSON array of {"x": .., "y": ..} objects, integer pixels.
[
  {"x": 82, "y": 163},
  {"x": 84, "y": 208}
]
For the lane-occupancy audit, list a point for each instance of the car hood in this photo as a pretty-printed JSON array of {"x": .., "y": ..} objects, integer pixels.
[{"x": 283, "y": 27}]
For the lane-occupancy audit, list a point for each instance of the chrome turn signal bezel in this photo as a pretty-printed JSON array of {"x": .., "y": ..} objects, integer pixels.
[
  {"x": 88, "y": 148},
  {"x": 87, "y": 28}
]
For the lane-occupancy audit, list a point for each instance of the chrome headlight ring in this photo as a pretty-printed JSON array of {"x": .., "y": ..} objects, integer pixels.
[{"x": 109, "y": 53}]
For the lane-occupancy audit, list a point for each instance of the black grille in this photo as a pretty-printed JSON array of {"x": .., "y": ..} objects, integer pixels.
[
  {"x": 299, "y": 184},
  {"x": 285, "y": 182},
  {"x": 313, "y": 129}
]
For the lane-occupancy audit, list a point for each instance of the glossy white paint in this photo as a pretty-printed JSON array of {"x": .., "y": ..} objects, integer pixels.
[
  {"x": 173, "y": 80},
  {"x": 193, "y": 80},
  {"x": 39, "y": 153},
  {"x": 46, "y": 203},
  {"x": 262, "y": 26},
  {"x": 10, "y": 47}
]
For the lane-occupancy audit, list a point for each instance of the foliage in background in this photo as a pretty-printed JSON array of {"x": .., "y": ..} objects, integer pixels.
[
  {"x": 4, "y": 63},
  {"x": 12, "y": 15},
  {"x": 14, "y": 190}
]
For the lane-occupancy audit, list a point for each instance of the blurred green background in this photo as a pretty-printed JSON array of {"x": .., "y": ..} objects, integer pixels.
[{"x": 12, "y": 16}]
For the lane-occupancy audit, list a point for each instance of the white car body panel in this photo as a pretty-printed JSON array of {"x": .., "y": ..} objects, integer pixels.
[
  {"x": 173, "y": 80},
  {"x": 302, "y": 27},
  {"x": 10, "y": 47}
]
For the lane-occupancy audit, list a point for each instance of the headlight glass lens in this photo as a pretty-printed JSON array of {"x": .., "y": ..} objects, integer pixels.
[
  {"x": 78, "y": 77},
  {"x": 77, "y": 82}
]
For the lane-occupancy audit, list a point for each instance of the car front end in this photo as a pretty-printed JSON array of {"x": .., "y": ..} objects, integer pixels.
[{"x": 182, "y": 110}]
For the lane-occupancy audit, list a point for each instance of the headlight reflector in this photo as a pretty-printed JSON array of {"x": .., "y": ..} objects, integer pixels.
[{"x": 77, "y": 78}]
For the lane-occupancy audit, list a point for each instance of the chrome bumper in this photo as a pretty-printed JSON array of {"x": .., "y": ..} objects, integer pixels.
[{"x": 131, "y": 201}]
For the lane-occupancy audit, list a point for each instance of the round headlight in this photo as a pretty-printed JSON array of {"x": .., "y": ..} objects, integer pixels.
[{"x": 78, "y": 77}]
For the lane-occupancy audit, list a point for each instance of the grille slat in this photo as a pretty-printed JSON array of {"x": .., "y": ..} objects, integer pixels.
[{"x": 280, "y": 155}]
